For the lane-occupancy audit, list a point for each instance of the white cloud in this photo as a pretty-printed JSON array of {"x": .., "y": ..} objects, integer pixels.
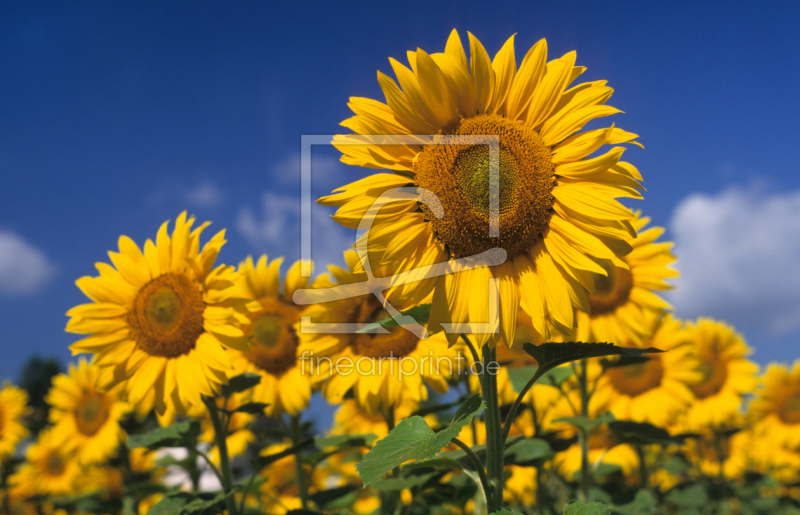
[
  {"x": 24, "y": 269},
  {"x": 739, "y": 258},
  {"x": 177, "y": 476},
  {"x": 276, "y": 230},
  {"x": 205, "y": 194}
]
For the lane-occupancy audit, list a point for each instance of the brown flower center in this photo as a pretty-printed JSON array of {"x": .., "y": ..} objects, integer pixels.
[
  {"x": 791, "y": 410},
  {"x": 167, "y": 316},
  {"x": 714, "y": 376},
  {"x": 613, "y": 290},
  {"x": 460, "y": 175},
  {"x": 55, "y": 464},
  {"x": 273, "y": 338},
  {"x": 397, "y": 343},
  {"x": 91, "y": 413},
  {"x": 636, "y": 379}
]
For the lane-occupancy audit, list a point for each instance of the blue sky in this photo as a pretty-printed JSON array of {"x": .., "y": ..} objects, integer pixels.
[{"x": 116, "y": 116}]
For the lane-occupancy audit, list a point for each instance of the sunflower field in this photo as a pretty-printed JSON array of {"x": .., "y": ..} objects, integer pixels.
[{"x": 496, "y": 344}]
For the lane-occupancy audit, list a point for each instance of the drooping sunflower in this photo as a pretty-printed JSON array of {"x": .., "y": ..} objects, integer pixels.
[
  {"x": 727, "y": 374},
  {"x": 381, "y": 369},
  {"x": 48, "y": 469},
  {"x": 546, "y": 205},
  {"x": 273, "y": 340},
  {"x": 160, "y": 320},
  {"x": 657, "y": 390},
  {"x": 776, "y": 408},
  {"x": 624, "y": 294},
  {"x": 86, "y": 419},
  {"x": 13, "y": 408}
]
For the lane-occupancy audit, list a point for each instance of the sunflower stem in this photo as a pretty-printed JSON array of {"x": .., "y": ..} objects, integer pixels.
[
  {"x": 494, "y": 432},
  {"x": 583, "y": 434},
  {"x": 476, "y": 461},
  {"x": 220, "y": 435},
  {"x": 297, "y": 436}
]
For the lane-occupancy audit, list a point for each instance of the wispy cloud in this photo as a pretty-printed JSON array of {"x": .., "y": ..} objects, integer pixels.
[
  {"x": 24, "y": 269},
  {"x": 739, "y": 258},
  {"x": 204, "y": 194}
]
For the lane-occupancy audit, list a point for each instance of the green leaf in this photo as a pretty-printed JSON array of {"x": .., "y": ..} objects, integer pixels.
[
  {"x": 579, "y": 508},
  {"x": 439, "y": 463},
  {"x": 470, "y": 407},
  {"x": 240, "y": 383},
  {"x": 693, "y": 496},
  {"x": 185, "y": 503},
  {"x": 346, "y": 441},
  {"x": 170, "y": 504},
  {"x": 325, "y": 497},
  {"x": 396, "y": 484},
  {"x": 506, "y": 511},
  {"x": 552, "y": 354},
  {"x": 641, "y": 433},
  {"x": 531, "y": 451},
  {"x": 181, "y": 434},
  {"x": 586, "y": 424},
  {"x": 418, "y": 314},
  {"x": 623, "y": 361},
  {"x": 412, "y": 439},
  {"x": 254, "y": 408},
  {"x": 643, "y": 504}
]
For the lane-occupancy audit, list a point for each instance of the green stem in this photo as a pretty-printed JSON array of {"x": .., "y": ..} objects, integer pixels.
[
  {"x": 583, "y": 435},
  {"x": 642, "y": 467},
  {"x": 494, "y": 431},
  {"x": 476, "y": 461},
  {"x": 297, "y": 435},
  {"x": 220, "y": 435}
]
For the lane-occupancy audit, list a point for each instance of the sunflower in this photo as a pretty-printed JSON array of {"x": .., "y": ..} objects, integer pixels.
[
  {"x": 711, "y": 450},
  {"x": 381, "y": 369},
  {"x": 553, "y": 211},
  {"x": 86, "y": 419},
  {"x": 13, "y": 409},
  {"x": 351, "y": 419},
  {"x": 776, "y": 408},
  {"x": 160, "y": 321},
  {"x": 727, "y": 374},
  {"x": 270, "y": 329},
  {"x": 656, "y": 390},
  {"x": 279, "y": 490},
  {"x": 623, "y": 295},
  {"x": 48, "y": 468}
]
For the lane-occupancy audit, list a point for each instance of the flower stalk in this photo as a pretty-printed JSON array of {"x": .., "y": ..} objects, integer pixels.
[{"x": 220, "y": 435}]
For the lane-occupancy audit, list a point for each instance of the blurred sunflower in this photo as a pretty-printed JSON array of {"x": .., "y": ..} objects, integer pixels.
[
  {"x": 727, "y": 374},
  {"x": 656, "y": 390},
  {"x": 776, "y": 408},
  {"x": 624, "y": 294},
  {"x": 13, "y": 409},
  {"x": 273, "y": 340},
  {"x": 278, "y": 489},
  {"x": 160, "y": 320},
  {"x": 86, "y": 420},
  {"x": 556, "y": 210},
  {"x": 351, "y": 419},
  {"x": 712, "y": 450},
  {"x": 49, "y": 469},
  {"x": 381, "y": 369}
]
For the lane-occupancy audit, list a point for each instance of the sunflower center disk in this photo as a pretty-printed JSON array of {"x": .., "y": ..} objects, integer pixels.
[
  {"x": 463, "y": 174},
  {"x": 167, "y": 316},
  {"x": 791, "y": 410},
  {"x": 612, "y": 290},
  {"x": 55, "y": 464},
  {"x": 397, "y": 343},
  {"x": 714, "y": 377},
  {"x": 91, "y": 414},
  {"x": 638, "y": 378},
  {"x": 274, "y": 342}
]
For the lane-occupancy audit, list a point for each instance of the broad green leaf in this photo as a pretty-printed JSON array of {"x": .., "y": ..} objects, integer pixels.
[
  {"x": 438, "y": 408},
  {"x": 346, "y": 441},
  {"x": 643, "y": 504},
  {"x": 693, "y": 496},
  {"x": 240, "y": 383},
  {"x": 586, "y": 424},
  {"x": 396, "y": 484},
  {"x": 641, "y": 433},
  {"x": 254, "y": 408},
  {"x": 171, "y": 504},
  {"x": 440, "y": 463},
  {"x": 181, "y": 434},
  {"x": 623, "y": 361},
  {"x": 529, "y": 451},
  {"x": 470, "y": 407},
  {"x": 418, "y": 314},
  {"x": 579, "y": 508},
  {"x": 202, "y": 503},
  {"x": 552, "y": 354},
  {"x": 412, "y": 439}
]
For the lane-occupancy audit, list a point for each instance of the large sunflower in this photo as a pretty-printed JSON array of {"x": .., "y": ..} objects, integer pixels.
[
  {"x": 270, "y": 329},
  {"x": 658, "y": 389},
  {"x": 776, "y": 409},
  {"x": 13, "y": 408},
  {"x": 381, "y": 369},
  {"x": 86, "y": 419},
  {"x": 624, "y": 295},
  {"x": 727, "y": 374},
  {"x": 553, "y": 211},
  {"x": 159, "y": 321}
]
